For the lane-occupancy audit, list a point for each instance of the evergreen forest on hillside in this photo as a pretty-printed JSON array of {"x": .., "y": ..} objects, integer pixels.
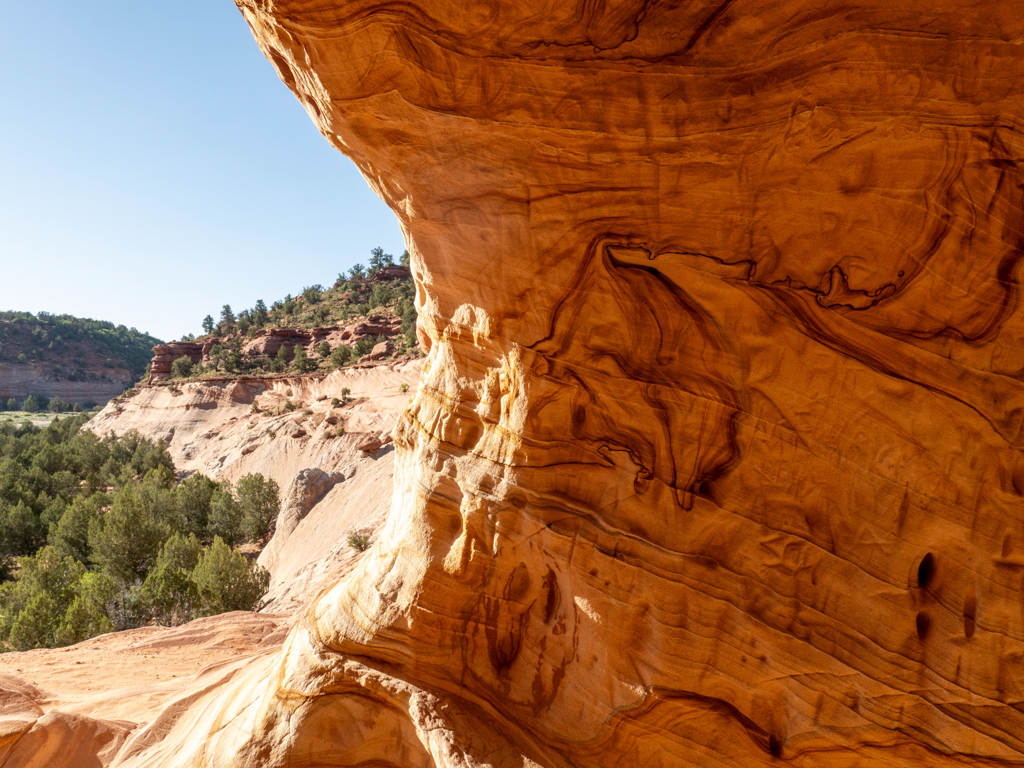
[
  {"x": 97, "y": 534},
  {"x": 361, "y": 292},
  {"x": 355, "y": 293},
  {"x": 73, "y": 348}
]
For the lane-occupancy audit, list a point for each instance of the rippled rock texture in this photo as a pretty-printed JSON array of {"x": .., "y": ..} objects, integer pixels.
[{"x": 717, "y": 455}]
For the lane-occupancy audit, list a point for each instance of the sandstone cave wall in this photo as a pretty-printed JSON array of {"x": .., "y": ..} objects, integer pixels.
[
  {"x": 723, "y": 308},
  {"x": 716, "y": 456}
]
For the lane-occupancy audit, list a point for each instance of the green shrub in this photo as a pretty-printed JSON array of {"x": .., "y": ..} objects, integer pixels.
[
  {"x": 260, "y": 501},
  {"x": 340, "y": 356},
  {"x": 87, "y": 615},
  {"x": 302, "y": 362},
  {"x": 21, "y": 532},
  {"x": 33, "y": 606},
  {"x": 182, "y": 367},
  {"x": 69, "y": 536},
  {"x": 126, "y": 539},
  {"x": 227, "y": 581},
  {"x": 227, "y": 518},
  {"x": 170, "y": 592},
  {"x": 31, "y": 404},
  {"x": 233, "y": 361},
  {"x": 194, "y": 501},
  {"x": 360, "y": 542}
]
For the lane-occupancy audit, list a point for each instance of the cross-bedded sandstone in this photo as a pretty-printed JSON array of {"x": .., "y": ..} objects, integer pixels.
[
  {"x": 716, "y": 459},
  {"x": 717, "y": 455}
]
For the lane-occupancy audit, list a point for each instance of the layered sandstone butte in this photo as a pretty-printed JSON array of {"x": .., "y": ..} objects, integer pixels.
[
  {"x": 268, "y": 341},
  {"x": 717, "y": 455}
]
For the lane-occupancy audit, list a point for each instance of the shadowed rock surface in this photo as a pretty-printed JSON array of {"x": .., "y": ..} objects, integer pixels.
[{"x": 716, "y": 459}]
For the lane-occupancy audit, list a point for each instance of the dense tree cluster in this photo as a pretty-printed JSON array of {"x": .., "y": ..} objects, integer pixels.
[
  {"x": 354, "y": 294},
  {"x": 37, "y": 403},
  {"x": 70, "y": 342},
  {"x": 96, "y": 534}
]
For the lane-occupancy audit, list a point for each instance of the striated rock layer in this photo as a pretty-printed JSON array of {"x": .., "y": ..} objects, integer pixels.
[
  {"x": 268, "y": 342},
  {"x": 716, "y": 459},
  {"x": 20, "y": 381}
]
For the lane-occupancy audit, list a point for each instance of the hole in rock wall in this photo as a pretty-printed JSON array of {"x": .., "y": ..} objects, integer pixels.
[
  {"x": 970, "y": 612},
  {"x": 924, "y": 623},
  {"x": 925, "y": 570}
]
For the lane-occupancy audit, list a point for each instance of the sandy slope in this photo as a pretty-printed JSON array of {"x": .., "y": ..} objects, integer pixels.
[
  {"x": 228, "y": 429},
  {"x": 215, "y": 429}
]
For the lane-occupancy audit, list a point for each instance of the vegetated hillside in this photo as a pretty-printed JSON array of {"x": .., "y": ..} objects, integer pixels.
[
  {"x": 78, "y": 359},
  {"x": 369, "y": 313},
  {"x": 77, "y": 348}
]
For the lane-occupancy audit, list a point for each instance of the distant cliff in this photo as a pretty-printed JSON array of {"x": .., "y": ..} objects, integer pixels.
[
  {"x": 77, "y": 359},
  {"x": 20, "y": 381}
]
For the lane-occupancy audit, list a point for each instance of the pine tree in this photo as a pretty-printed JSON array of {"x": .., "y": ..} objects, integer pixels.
[
  {"x": 379, "y": 260},
  {"x": 302, "y": 361},
  {"x": 259, "y": 314},
  {"x": 260, "y": 501},
  {"x": 227, "y": 581},
  {"x": 227, "y": 319}
]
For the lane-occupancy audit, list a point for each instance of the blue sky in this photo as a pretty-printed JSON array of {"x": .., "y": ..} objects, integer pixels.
[{"x": 153, "y": 168}]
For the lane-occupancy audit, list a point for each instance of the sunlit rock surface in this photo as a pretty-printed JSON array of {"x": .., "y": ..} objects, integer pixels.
[
  {"x": 717, "y": 455},
  {"x": 716, "y": 459}
]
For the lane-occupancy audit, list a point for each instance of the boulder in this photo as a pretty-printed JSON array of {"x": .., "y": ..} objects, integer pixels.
[
  {"x": 371, "y": 444},
  {"x": 306, "y": 489}
]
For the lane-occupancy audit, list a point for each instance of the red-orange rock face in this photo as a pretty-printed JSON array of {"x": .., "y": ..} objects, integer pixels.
[{"x": 717, "y": 457}]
